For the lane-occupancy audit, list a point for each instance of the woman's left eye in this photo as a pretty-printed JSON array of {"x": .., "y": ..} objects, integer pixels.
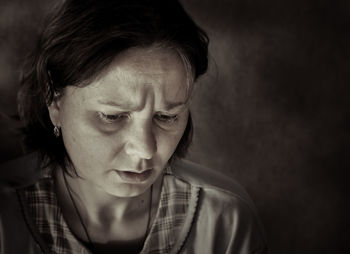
[
  {"x": 166, "y": 118},
  {"x": 113, "y": 117}
]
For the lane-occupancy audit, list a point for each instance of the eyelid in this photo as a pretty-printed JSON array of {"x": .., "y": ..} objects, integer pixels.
[
  {"x": 167, "y": 118},
  {"x": 167, "y": 114},
  {"x": 111, "y": 118},
  {"x": 161, "y": 117}
]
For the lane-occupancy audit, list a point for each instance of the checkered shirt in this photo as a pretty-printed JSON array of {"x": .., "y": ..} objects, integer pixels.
[{"x": 176, "y": 211}]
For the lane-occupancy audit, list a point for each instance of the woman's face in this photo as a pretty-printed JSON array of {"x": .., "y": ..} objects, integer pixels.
[{"x": 122, "y": 128}]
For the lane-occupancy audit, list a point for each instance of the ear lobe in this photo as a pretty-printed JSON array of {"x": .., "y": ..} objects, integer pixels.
[{"x": 54, "y": 112}]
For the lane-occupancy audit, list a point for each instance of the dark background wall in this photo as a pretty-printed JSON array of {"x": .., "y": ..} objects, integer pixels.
[{"x": 272, "y": 112}]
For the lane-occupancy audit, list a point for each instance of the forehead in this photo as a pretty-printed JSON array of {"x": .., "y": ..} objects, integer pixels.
[{"x": 140, "y": 72}]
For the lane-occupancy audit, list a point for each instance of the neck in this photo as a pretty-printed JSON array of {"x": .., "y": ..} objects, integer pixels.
[
  {"x": 100, "y": 205},
  {"x": 101, "y": 212}
]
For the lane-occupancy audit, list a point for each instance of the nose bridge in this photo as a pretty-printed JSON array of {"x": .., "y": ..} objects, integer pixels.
[{"x": 141, "y": 140}]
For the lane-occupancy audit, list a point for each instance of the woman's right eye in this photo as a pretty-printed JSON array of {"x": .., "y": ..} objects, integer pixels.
[{"x": 112, "y": 118}]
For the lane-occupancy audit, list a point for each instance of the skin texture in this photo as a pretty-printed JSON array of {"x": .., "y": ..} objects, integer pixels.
[{"x": 130, "y": 118}]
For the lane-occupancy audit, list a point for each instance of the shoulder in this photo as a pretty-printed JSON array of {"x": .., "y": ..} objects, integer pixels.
[
  {"x": 20, "y": 171},
  {"x": 211, "y": 181},
  {"x": 224, "y": 208},
  {"x": 15, "y": 235}
]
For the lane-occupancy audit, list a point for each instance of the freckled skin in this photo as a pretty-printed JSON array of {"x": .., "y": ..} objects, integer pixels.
[{"x": 143, "y": 82}]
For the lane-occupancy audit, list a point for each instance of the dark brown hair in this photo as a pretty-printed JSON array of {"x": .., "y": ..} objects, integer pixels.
[{"x": 81, "y": 39}]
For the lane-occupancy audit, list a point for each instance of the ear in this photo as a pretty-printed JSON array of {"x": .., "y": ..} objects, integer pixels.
[{"x": 54, "y": 111}]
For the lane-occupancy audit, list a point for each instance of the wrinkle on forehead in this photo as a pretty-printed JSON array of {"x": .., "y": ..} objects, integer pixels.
[
  {"x": 139, "y": 73},
  {"x": 161, "y": 58}
]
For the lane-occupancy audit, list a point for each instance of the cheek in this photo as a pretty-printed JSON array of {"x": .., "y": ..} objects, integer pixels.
[
  {"x": 87, "y": 148},
  {"x": 167, "y": 142}
]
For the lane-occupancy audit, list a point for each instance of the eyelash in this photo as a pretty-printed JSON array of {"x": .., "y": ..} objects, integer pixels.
[
  {"x": 112, "y": 118},
  {"x": 167, "y": 119}
]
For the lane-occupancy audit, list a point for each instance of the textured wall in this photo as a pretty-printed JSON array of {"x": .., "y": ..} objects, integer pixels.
[{"x": 272, "y": 112}]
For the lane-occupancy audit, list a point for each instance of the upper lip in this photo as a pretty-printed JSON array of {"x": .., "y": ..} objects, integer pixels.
[{"x": 134, "y": 171}]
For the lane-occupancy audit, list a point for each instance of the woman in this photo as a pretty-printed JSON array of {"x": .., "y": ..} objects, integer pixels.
[{"x": 105, "y": 103}]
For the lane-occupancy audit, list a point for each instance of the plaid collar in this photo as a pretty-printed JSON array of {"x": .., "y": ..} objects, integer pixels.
[{"x": 176, "y": 211}]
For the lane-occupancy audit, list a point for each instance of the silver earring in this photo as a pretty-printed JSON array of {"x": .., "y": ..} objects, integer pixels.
[{"x": 56, "y": 131}]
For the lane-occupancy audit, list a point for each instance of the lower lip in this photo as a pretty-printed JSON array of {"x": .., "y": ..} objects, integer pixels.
[{"x": 132, "y": 177}]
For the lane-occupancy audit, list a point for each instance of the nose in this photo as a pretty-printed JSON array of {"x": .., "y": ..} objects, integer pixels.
[{"x": 141, "y": 141}]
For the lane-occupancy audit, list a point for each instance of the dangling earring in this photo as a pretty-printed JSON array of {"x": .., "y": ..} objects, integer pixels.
[{"x": 56, "y": 131}]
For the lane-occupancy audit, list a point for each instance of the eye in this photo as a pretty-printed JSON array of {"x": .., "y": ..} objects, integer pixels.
[
  {"x": 168, "y": 119},
  {"x": 112, "y": 118}
]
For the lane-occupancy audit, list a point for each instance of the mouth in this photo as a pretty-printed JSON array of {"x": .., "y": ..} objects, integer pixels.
[{"x": 134, "y": 177}]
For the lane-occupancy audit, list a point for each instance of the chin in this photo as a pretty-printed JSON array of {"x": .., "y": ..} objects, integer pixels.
[{"x": 127, "y": 190}]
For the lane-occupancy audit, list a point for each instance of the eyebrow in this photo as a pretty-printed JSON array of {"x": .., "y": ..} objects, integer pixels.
[
  {"x": 168, "y": 106},
  {"x": 113, "y": 103},
  {"x": 174, "y": 105}
]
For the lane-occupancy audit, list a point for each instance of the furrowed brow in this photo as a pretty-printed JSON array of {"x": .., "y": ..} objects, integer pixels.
[
  {"x": 121, "y": 105},
  {"x": 174, "y": 106}
]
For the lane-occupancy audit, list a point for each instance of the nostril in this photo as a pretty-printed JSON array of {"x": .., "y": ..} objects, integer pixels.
[{"x": 147, "y": 150}]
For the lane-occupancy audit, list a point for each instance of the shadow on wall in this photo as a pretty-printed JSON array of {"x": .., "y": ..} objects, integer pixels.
[{"x": 272, "y": 112}]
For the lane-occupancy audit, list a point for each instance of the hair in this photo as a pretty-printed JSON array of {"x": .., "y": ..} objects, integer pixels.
[{"x": 81, "y": 39}]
